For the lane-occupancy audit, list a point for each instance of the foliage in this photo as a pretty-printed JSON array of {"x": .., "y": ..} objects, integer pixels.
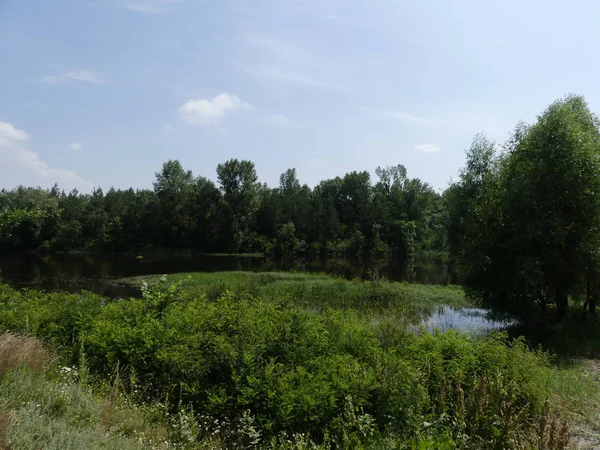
[
  {"x": 250, "y": 353},
  {"x": 523, "y": 225},
  {"x": 239, "y": 215}
]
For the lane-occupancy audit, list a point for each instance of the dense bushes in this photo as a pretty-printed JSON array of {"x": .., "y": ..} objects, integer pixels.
[{"x": 289, "y": 373}]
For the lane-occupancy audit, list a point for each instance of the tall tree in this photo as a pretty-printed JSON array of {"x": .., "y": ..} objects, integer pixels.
[
  {"x": 553, "y": 185},
  {"x": 173, "y": 186},
  {"x": 524, "y": 227},
  {"x": 239, "y": 184}
]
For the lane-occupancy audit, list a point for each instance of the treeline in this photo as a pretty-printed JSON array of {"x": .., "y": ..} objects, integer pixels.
[
  {"x": 351, "y": 215},
  {"x": 521, "y": 226}
]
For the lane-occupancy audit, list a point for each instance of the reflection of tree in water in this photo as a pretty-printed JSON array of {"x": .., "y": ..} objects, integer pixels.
[{"x": 98, "y": 273}]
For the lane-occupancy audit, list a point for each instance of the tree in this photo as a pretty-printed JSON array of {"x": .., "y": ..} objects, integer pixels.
[
  {"x": 474, "y": 218},
  {"x": 286, "y": 239},
  {"x": 205, "y": 207},
  {"x": 553, "y": 192},
  {"x": 239, "y": 184},
  {"x": 289, "y": 188},
  {"x": 524, "y": 227},
  {"x": 355, "y": 201},
  {"x": 173, "y": 186}
]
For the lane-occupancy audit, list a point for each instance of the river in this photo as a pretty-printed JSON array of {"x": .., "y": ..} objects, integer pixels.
[{"x": 99, "y": 272}]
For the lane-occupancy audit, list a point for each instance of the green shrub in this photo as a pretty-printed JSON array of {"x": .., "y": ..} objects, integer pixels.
[{"x": 270, "y": 368}]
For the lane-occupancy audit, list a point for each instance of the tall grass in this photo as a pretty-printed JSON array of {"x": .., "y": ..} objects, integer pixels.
[
  {"x": 319, "y": 292},
  {"x": 42, "y": 407},
  {"x": 18, "y": 351}
]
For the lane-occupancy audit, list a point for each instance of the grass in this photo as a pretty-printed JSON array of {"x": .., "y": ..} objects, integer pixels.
[
  {"x": 18, "y": 351},
  {"x": 278, "y": 360},
  {"x": 44, "y": 407},
  {"x": 320, "y": 292}
]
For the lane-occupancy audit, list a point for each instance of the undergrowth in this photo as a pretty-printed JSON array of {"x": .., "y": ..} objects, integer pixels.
[
  {"x": 43, "y": 405},
  {"x": 247, "y": 361}
]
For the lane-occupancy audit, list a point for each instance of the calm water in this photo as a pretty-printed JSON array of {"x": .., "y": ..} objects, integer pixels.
[
  {"x": 466, "y": 319},
  {"x": 99, "y": 273}
]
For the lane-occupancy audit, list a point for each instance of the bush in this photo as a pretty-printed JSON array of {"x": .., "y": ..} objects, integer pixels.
[{"x": 278, "y": 371}]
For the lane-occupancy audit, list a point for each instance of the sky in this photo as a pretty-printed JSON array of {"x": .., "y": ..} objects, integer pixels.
[{"x": 99, "y": 93}]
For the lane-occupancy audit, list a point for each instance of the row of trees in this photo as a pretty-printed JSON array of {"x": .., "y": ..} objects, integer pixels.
[{"x": 341, "y": 215}]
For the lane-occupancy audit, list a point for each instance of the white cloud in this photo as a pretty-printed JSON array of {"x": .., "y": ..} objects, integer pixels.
[
  {"x": 344, "y": 21},
  {"x": 428, "y": 148},
  {"x": 149, "y": 6},
  {"x": 455, "y": 121},
  {"x": 290, "y": 76},
  {"x": 9, "y": 135},
  {"x": 211, "y": 112},
  {"x": 169, "y": 129},
  {"x": 74, "y": 76},
  {"x": 333, "y": 18},
  {"x": 20, "y": 165},
  {"x": 75, "y": 146}
]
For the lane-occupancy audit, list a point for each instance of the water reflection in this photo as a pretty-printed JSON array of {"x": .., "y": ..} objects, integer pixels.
[
  {"x": 475, "y": 320},
  {"x": 98, "y": 273}
]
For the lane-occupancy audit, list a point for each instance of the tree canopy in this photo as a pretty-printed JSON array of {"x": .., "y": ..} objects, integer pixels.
[
  {"x": 524, "y": 223},
  {"x": 347, "y": 215}
]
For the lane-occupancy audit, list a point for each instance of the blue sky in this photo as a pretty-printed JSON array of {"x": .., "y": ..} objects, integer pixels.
[{"x": 101, "y": 92}]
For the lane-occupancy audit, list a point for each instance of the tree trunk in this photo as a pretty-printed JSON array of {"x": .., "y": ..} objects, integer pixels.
[
  {"x": 591, "y": 295},
  {"x": 593, "y": 301},
  {"x": 562, "y": 302}
]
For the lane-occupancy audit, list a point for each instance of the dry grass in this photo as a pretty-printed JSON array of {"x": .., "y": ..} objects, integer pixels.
[
  {"x": 17, "y": 350},
  {"x": 551, "y": 431},
  {"x": 6, "y": 421},
  {"x": 492, "y": 401}
]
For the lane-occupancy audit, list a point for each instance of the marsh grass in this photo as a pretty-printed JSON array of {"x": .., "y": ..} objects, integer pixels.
[
  {"x": 17, "y": 351},
  {"x": 320, "y": 292}
]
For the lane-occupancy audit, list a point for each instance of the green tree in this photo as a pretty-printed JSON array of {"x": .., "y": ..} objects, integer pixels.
[
  {"x": 553, "y": 194},
  {"x": 524, "y": 227},
  {"x": 239, "y": 184},
  {"x": 174, "y": 187},
  {"x": 475, "y": 216}
]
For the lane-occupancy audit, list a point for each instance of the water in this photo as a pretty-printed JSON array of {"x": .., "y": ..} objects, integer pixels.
[
  {"x": 100, "y": 273},
  {"x": 475, "y": 320}
]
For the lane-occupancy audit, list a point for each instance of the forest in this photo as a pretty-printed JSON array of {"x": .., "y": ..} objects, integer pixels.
[
  {"x": 519, "y": 227},
  {"x": 348, "y": 215}
]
